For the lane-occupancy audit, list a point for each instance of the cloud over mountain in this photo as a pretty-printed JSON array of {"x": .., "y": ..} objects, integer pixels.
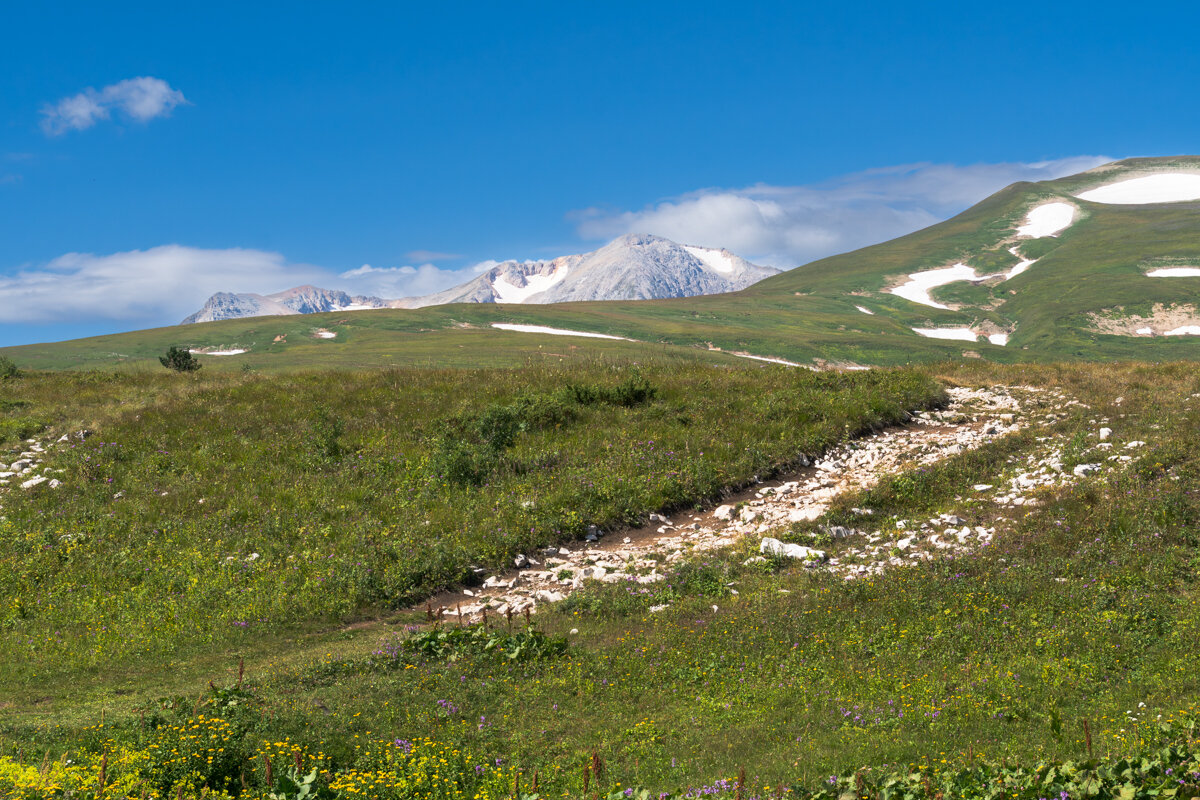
[
  {"x": 791, "y": 225},
  {"x": 144, "y": 287}
]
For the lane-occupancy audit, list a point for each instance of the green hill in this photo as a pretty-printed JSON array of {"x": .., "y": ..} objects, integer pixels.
[
  {"x": 1094, "y": 269},
  {"x": 230, "y": 583}
]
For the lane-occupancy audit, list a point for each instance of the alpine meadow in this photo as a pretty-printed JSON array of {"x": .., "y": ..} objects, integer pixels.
[{"x": 599, "y": 401}]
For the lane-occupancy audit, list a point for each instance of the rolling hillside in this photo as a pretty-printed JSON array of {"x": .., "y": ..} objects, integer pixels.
[{"x": 1081, "y": 292}]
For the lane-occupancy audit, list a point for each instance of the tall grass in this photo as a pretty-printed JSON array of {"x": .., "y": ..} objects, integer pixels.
[{"x": 208, "y": 510}]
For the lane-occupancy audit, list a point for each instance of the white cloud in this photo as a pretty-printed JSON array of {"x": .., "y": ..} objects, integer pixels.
[
  {"x": 151, "y": 287},
  {"x": 140, "y": 99},
  {"x": 431, "y": 255},
  {"x": 790, "y": 225},
  {"x": 406, "y": 281}
]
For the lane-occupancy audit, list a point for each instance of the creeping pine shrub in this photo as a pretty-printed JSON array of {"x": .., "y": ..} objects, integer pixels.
[
  {"x": 7, "y": 368},
  {"x": 326, "y": 431},
  {"x": 179, "y": 359},
  {"x": 632, "y": 391},
  {"x": 453, "y": 643},
  {"x": 20, "y": 428},
  {"x": 470, "y": 447}
]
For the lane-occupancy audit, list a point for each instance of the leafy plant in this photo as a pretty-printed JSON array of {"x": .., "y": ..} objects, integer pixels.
[
  {"x": 179, "y": 359},
  {"x": 291, "y": 785},
  {"x": 327, "y": 433},
  {"x": 8, "y": 369},
  {"x": 454, "y": 643}
]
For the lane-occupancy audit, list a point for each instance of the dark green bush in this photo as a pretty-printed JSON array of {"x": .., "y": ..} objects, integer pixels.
[{"x": 179, "y": 359}]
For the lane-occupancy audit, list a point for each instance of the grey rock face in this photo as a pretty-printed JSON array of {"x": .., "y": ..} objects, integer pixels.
[
  {"x": 299, "y": 300},
  {"x": 633, "y": 267}
]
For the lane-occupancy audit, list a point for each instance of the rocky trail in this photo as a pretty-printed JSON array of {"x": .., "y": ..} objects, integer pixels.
[
  {"x": 768, "y": 510},
  {"x": 973, "y": 418}
]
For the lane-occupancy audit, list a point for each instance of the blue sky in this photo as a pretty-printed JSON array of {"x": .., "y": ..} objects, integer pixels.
[{"x": 152, "y": 154}]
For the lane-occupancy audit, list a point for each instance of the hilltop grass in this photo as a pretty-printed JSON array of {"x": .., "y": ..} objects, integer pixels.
[
  {"x": 806, "y": 314},
  {"x": 1085, "y": 608},
  {"x": 210, "y": 512}
]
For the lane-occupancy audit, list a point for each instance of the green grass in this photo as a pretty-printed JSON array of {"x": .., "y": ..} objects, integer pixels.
[
  {"x": 1082, "y": 609},
  {"x": 209, "y": 511},
  {"x": 806, "y": 314}
]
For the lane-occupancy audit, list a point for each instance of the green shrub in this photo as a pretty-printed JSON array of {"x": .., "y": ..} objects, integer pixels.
[
  {"x": 179, "y": 359},
  {"x": 7, "y": 368}
]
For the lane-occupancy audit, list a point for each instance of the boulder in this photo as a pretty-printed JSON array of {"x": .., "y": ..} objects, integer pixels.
[
  {"x": 774, "y": 547},
  {"x": 724, "y": 513},
  {"x": 804, "y": 514}
]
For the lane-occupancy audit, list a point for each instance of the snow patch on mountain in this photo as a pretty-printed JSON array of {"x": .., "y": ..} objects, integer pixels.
[
  {"x": 505, "y": 326},
  {"x": 1174, "y": 272},
  {"x": 1167, "y": 187},
  {"x": 719, "y": 260},
  {"x": 919, "y": 283},
  {"x": 633, "y": 267},
  {"x": 508, "y": 292},
  {"x": 1049, "y": 219},
  {"x": 298, "y": 300}
]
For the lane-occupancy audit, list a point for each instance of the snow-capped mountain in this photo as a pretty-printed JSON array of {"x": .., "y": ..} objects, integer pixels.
[
  {"x": 633, "y": 267},
  {"x": 300, "y": 300}
]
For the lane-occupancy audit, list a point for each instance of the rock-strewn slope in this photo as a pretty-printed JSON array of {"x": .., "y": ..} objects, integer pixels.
[{"x": 974, "y": 418}]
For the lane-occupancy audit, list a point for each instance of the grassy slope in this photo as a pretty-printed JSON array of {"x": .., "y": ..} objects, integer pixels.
[
  {"x": 1084, "y": 608},
  {"x": 804, "y": 314},
  {"x": 212, "y": 510}
]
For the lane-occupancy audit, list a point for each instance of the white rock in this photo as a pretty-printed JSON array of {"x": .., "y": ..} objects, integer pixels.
[
  {"x": 1105, "y": 433},
  {"x": 724, "y": 513},
  {"x": 32, "y": 482},
  {"x": 804, "y": 514},
  {"x": 1085, "y": 469},
  {"x": 774, "y": 547}
]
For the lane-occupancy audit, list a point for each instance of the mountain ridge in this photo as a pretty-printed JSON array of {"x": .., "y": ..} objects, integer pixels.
[{"x": 631, "y": 267}]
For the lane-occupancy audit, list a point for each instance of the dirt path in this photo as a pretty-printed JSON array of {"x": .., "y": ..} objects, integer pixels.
[{"x": 973, "y": 418}]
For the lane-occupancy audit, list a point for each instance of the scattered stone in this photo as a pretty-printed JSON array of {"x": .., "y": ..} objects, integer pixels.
[{"x": 774, "y": 547}]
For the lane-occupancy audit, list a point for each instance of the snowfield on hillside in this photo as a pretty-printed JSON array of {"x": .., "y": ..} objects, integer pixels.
[
  {"x": 1047, "y": 220},
  {"x": 1169, "y": 187},
  {"x": 919, "y": 283},
  {"x": 508, "y": 292},
  {"x": 1174, "y": 272},
  {"x": 505, "y": 326},
  {"x": 714, "y": 259},
  {"x": 957, "y": 334}
]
